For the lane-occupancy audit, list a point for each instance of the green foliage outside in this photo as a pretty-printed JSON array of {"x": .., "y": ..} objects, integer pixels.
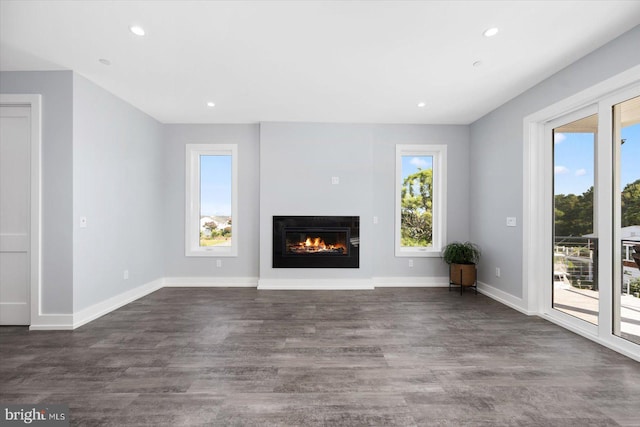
[
  {"x": 574, "y": 213},
  {"x": 631, "y": 204},
  {"x": 634, "y": 286},
  {"x": 416, "y": 223},
  {"x": 217, "y": 237}
]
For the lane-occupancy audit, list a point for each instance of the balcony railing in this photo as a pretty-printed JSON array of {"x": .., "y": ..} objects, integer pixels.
[
  {"x": 630, "y": 267},
  {"x": 577, "y": 257}
]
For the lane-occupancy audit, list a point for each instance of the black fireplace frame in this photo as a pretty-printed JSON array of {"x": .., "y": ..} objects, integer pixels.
[{"x": 283, "y": 224}]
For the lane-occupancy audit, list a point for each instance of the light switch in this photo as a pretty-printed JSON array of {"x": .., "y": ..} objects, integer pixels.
[
  {"x": 335, "y": 180},
  {"x": 511, "y": 221}
]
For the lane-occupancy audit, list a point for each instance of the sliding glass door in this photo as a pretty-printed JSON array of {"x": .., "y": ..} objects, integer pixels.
[
  {"x": 626, "y": 284},
  {"x": 594, "y": 284},
  {"x": 575, "y": 289}
]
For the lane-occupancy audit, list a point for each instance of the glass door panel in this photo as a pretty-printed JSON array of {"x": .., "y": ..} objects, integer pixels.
[
  {"x": 626, "y": 286},
  {"x": 575, "y": 243}
]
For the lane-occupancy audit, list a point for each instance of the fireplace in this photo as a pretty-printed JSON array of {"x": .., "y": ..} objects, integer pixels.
[{"x": 316, "y": 241}]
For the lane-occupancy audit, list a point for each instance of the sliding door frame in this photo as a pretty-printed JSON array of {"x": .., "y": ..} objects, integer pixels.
[
  {"x": 538, "y": 202},
  {"x": 547, "y": 294}
]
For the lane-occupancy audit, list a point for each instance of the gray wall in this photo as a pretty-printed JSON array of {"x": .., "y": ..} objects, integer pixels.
[
  {"x": 117, "y": 186},
  {"x": 56, "y": 88},
  {"x": 175, "y": 139},
  {"x": 496, "y": 148},
  {"x": 298, "y": 160},
  {"x": 385, "y": 138}
]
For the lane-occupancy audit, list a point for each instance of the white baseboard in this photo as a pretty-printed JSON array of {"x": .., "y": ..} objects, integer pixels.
[
  {"x": 51, "y": 322},
  {"x": 316, "y": 284},
  {"x": 211, "y": 282},
  {"x": 68, "y": 321},
  {"x": 411, "y": 282},
  {"x": 95, "y": 311},
  {"x": 504, "y": 298}
]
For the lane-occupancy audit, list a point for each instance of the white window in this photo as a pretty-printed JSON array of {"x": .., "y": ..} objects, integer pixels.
[
  {"x": 211, "y": 222},
  {"x": 420, "y": 200}
]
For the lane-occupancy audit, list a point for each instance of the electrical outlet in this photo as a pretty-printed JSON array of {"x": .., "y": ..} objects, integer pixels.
[
  {"x": 497, "y": 271},
  {"x": 511, "y": 221},
  {"x": 335, "y": 180},
  {"x": 125, "y": 275},
  {"x": 218, "y": 263},
  {"x": 410, "y": 263}
]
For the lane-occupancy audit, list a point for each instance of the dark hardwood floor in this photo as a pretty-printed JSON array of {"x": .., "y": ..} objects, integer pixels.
[{"x": 207, "y": 356}]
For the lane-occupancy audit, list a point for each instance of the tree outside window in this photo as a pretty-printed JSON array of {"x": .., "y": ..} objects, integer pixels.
[{"x": 420, "y": 201}]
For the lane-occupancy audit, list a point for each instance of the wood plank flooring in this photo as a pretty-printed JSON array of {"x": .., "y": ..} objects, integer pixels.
[{"x": 212, "y": 356}]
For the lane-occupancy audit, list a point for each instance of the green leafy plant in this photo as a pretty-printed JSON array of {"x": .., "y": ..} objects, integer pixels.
[
  {"x": 416, "y": 223},
  {"x": 461, "y": 253}
]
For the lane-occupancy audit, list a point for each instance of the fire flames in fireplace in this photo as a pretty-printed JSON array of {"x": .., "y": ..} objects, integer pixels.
[
  {"x": 313, "y": 245},
  {"x": 316, "y": 242}
]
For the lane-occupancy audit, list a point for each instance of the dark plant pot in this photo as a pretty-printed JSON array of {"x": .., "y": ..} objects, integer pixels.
[{"x": 462, "y": 274}]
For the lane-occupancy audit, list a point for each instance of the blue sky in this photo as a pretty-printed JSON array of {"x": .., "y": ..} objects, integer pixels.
[
  {"x": 411, "y": 164},
  {"x": 574, "y": 168},
  {"x": 215, "y": 185}
]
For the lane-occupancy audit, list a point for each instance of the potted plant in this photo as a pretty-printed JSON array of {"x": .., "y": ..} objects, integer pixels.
[{"x": 462, "y": 259}]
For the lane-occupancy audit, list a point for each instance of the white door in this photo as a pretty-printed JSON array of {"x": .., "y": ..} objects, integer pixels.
[
  {"x": 594, "y": 279},
  {"x": 15, "y": 176}
]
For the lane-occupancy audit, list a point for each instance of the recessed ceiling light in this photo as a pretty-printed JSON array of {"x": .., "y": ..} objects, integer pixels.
[
  {"x": 490, "y": 32},
  {"x": 211, "y": 104},
  {"x": 104, "y": 61},
  {"x": 137, "y": 30},
  {"x": 422, "y": 104}
]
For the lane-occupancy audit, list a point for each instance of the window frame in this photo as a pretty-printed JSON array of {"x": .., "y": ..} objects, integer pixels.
[
  {"x": 192, "y": 199},
  {"x": 439, "y": 201}
]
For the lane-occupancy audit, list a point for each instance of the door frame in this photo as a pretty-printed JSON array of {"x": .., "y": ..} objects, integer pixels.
[
  {"x": 547, "y": 299},
  {"x": 34, "y": 102},
  {"x": 537, "y": 222}
]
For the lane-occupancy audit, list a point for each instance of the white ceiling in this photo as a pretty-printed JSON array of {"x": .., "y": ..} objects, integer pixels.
[{"x": 313, "y": 61}]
